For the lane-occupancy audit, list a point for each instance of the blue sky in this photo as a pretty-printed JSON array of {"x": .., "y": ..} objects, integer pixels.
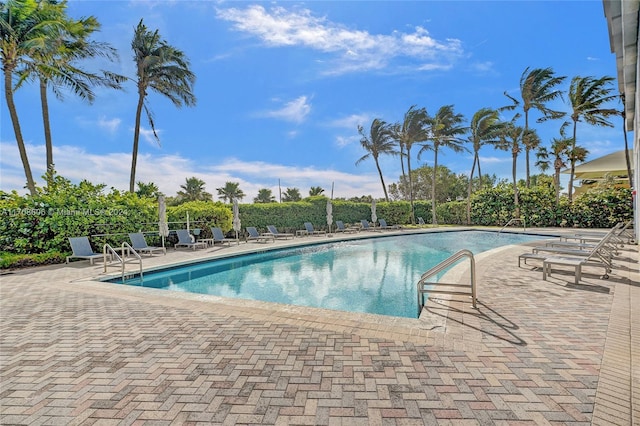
[{"x": 282, "y": 87}]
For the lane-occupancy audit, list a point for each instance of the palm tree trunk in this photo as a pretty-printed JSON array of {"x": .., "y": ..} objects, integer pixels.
[
  {"x": 384, "y": 188},
  {"x": 136, "y": 137},
  {"x": 525, "y": 133},
  {"x": 515, "y": 185},
  {"x": 434, "y": 217},
  {"x": 479, "y": 172},
  {"x": 526, "y": 155},
  {"x": 572, "y": 160},
  {"x": 47, "y": 128},
  {"x": 556, "y": 184},
  {"x": 411, "y": 213},
  {"x": 473, "y": 168},
  {"x": 8, "y": 91}
]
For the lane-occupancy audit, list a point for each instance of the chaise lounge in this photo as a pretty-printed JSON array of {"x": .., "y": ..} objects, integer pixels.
[
  {"x": 184, "y": 240},
  {"x": 254, "y": 235},
  {"x": 139, "y": 244},
  {"x": 82, "y": 250}
]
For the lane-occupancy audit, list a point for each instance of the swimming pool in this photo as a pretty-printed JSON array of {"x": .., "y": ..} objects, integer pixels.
[{"x": 372, "y": 275}]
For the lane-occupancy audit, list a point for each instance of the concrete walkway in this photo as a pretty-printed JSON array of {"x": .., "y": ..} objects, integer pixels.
[{"x": 77, "y": 351}]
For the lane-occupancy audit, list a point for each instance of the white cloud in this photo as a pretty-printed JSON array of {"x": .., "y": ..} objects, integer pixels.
[
  {"x": 343, "y": 141},
  {"x": 169, "y": 171},
  {"x": 352, "y": 121},
  {"x": 355, "y": 49},
  {"x": 295, "y": 111},
  {"x": 110, "y": 125},
  {"x": 147, "y": 135}
]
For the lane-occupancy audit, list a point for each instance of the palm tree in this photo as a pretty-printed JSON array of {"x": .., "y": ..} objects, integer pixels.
[
  {"x": 230, "y": 191},
  {"x": 264, "y": 196},
  {"x": 512, "y": 140},
  {"x": 559, "y": 151},
  {"x": 315, "y": 190},
  {"x": 588, "y": 97},
  {"x": 413, "y": 129},
  {"x": 53, "y": 64},
  {"x": 445, "y": 129},
  {"x": 163, "y": 68},
  {"x": 193, "y": 190},
  {"x": 537, "y": 87},
  {"x": 378, "y": 141},
  {"x": 148, "y": 190},
  {"x": 485, "y": 128},
  {"x": 24, "y": 27},
  {"x": 291, "y": 194}
]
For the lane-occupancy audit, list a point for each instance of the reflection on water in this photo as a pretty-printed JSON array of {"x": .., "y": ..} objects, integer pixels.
[{"x": 375, "y": 275}]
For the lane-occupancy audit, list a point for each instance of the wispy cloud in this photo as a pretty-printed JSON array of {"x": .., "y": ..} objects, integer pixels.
[
  {"x": 169, "y": 171},
  {"x": 110, "y": 125},
  {"x": 352, "y": 121},
  {"x": 295, "y": 111},
  {"x": 354, "y": 50}
]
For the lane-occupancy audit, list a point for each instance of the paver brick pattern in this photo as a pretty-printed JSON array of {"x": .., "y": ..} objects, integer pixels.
[{"x": 76, "y": 354}]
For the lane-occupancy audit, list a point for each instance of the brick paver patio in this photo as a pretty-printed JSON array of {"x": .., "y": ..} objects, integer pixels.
[{"x": 77, "y": 351}]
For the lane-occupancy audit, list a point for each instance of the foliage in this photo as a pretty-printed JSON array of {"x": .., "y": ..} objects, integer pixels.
[
  {"x": 11, "y": 260},
  {"x": 265, "y": 196},
  {"x": 43, "y": 223},
  {"x": 291, "y": 194},
  {"x": 202, "y": 215},
  {"x": 230, "y": 191},
  {"x": 315, "y": 190},
  {"x": 193, "y": 190},
  {"x": 148, "y": 190},
  {"x": 449, "y": 186}
]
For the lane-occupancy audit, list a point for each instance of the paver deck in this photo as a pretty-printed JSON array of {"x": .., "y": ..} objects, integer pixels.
[{"x": 77, "y": 351}]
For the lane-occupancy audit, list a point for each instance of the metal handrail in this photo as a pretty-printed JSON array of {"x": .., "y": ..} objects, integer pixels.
[
  {"x": 130, "y": 250},
  {"x": 515, "y": 219},
  {"x": 107, "y": 249},
  {"x": 451, "y": 260}
]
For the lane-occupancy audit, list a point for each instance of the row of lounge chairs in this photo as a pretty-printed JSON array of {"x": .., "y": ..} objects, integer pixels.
[
  {"x": 581, "y": 249},
  {"x": 81, "y": 246}
]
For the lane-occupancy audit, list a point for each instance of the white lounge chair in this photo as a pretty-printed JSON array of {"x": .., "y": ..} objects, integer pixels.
[
  {"x": 139, "y": 244},
  {"x": 82, "y": 250},
  {"x": 577, "y": 262}
]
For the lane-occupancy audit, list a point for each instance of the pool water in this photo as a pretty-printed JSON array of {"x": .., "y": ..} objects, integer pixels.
[{"x": 373, "y": 275}]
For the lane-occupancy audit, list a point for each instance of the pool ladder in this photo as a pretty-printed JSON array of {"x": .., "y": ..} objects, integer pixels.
[
  {"x": 429, "y": 287},
  {"x": 121, "y": 261}
]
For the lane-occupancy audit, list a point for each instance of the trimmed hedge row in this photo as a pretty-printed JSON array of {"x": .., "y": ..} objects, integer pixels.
[{"x": 42, "y": 223}]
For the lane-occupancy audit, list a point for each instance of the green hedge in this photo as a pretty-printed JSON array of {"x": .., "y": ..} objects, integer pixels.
[{"x": 43, "y": 223}]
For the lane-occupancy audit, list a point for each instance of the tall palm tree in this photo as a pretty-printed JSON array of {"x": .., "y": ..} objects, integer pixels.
[
  {"x": 485, "y": 128},
  {"x": 53, "y": 64},
  {"x": 230, "y": 191},
  {"x": 24, "y": 27},
  {"x": 512, "y": 141},
  {"x": 446, "y": 127},
  {"x": 291, "y": 194},
  {"x": 558, "y": 154},
  {"x": 413, "y": 129},
  {"x": 315, "y": 190},
  {"x": 193, "y": 190},
  {"x": 164, "y": 69},
  {"x": 537, "y": 88},
  {"x": 588, "y": 97},
  {"x": 378, "y": 142},
  {"x": 265, "y": 196}
]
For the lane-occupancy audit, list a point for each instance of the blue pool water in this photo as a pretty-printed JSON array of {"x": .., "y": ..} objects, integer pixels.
[{"x": 373, "y": 275}]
